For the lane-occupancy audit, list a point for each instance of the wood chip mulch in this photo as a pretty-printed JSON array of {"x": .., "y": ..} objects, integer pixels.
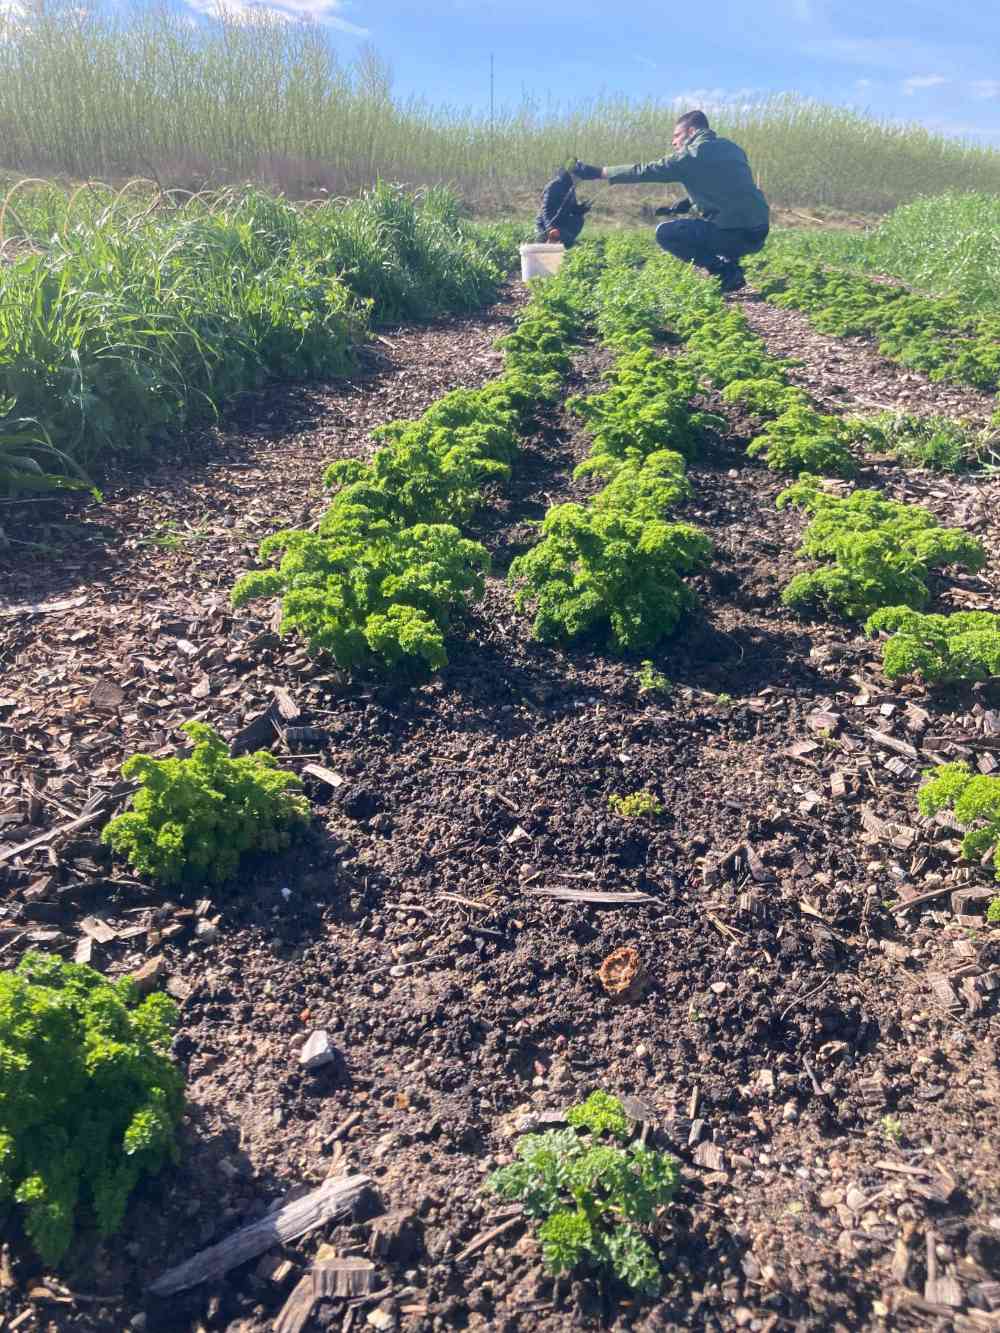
[{"x": 815, "y": 1036}]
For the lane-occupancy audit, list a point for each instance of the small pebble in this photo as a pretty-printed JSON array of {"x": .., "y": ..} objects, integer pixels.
[
  {"x": 382, "y": 1319},
  {"x": 317, "y": 1051},
  {"x": 789, "y": 1113}
]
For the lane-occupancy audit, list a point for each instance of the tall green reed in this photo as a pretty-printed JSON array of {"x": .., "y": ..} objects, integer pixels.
[
  {"x": 131, "y": 318},
  {"x": 945, "y": 244},
  {"x": 141, "y": 91}
]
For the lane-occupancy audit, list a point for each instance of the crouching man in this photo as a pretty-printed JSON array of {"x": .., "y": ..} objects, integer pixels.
[
  {"x": 561, "y": 215},
  {"x": 734, "y": 215}
]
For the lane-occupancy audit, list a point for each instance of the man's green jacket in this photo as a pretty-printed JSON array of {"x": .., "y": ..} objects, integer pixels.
[{"x": 716, "y": 174}]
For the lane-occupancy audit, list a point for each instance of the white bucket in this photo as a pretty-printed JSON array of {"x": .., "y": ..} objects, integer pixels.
[{"x": 540, "y": 261}]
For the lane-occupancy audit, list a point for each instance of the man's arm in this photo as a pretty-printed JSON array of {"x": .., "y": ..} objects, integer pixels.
[
  {"x": 645, "y": 173},
  {"x": 640, "y": 173}
]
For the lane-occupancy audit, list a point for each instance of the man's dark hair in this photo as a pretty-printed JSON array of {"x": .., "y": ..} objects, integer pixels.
[{"x": 695, "y": 120}]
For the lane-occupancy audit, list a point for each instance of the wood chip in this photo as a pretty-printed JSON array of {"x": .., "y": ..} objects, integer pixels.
[
  {"x": 967, "y": 902},
  {"x": 150, "y": 974},
  {"x": 347, "y": 1277},
  {"x": 333, "y": 1198},
  {"x": 972, "y": 995},
  {"x": 821, "y": 721},
  {"x": 84, "y": 952},
  {"x": 901, "y": 1260},
  {"x": 595, "y": 896},
  {"x": 107, "y": 696},
  {"x": 258, "y": 734},
  {"x": 60, "y": 831},
  {"x": 296, "y": 1311},
  {"x": 325, "y": 775},
  {"x": 274, "y": 1268},
  {"x": 483, "y": 1239},
  {"x": 917, "y": 719},
  {"x": 945, "y": 1291},
  {"x": 285, "y": 706},
  {"x": 921, "y": 898},
  {"x": 899, "y": 953},
  {"x": 892, "y": 743},
  {"x": 202, "y": 687},
  {"x": 943, "y": 990},
  {"x": 759, "y": 872},
  {"x": 900, "y": 836},
  {"x": 98, "y": 930},
  {"x": 42, "y": 608},
  {"x": 709, "y": 1156},
  {"x": 801, "y": 750}
]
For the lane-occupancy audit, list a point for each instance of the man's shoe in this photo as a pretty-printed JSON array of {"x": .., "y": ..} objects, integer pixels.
[{"x": 732, "y": 278}]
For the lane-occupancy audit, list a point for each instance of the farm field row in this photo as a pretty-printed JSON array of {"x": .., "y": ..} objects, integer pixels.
[
  {"x": 938, "y": 335},
  {"x": 127, "y": 316},
  {"x": 940, "y": 243},
  {"x": 436, "y": 921}
]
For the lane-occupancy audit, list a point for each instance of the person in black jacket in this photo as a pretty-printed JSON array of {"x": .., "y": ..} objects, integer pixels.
[{"x": 561, "y": 216}]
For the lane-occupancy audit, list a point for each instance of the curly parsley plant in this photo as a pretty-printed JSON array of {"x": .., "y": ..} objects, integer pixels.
[
  {"x": 872, "y": 552},
  {"x": 192, "y": 819},
  {"x": 593, "y": 1193},
  {"x": 974, "y": 799},
  {"x": 942, "y": 650},
  {"x": 89, "y": 1099}
]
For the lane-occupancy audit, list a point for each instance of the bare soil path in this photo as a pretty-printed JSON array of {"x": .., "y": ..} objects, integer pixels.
[
  {"x": 825, "y": 1068},
  {"x": 850, "y": 375}
]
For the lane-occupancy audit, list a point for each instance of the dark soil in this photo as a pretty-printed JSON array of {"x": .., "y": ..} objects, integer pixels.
[
  {"x": 823, "y": 1066},
  {"x": 849, "y": 374}
]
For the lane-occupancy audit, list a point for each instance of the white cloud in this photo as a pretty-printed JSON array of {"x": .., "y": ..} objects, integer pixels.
[
  {"x": 985, "y": 89},
  {"x": 918, "y": 82},
  {"x": 711, "y": 100},
  {"x": 316, "y": 11}
]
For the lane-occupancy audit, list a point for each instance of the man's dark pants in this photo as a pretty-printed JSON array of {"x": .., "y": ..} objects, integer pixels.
[{"x": 703, "y": 243}]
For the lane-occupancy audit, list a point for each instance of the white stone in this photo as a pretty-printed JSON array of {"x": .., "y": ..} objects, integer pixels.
[{"x": 317, "y": 1051}]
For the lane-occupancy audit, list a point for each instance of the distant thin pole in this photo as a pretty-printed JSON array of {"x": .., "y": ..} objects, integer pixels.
[{"x": 493, "y": 147}]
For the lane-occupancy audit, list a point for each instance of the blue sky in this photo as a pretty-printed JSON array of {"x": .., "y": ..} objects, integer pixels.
[{"x": 924, "y": 61}]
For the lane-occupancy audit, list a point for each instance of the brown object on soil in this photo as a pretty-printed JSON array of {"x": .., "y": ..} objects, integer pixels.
[
  {"x": 622, "y": 974},
  {"x": 333, "y": 1198}
]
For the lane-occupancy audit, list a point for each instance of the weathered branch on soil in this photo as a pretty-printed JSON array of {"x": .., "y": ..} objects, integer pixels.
[{"x": 331, "y": 1199}]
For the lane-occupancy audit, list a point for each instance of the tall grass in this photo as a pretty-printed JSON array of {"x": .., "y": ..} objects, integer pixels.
[
  {"x": 143, "y": 92},
  {"x": 946, "y": 245},
  {"x": 123, "y": 318}
]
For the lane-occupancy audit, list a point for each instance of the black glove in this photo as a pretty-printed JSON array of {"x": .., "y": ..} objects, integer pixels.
[
  {"x": 584, "y": 207},
  {"x": 671, "y": 210},
  {"x": 584, "y": 173}
]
